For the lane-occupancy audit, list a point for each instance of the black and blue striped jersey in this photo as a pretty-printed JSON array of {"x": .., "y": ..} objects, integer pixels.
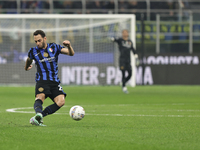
[{"x": 46, "y": 62}]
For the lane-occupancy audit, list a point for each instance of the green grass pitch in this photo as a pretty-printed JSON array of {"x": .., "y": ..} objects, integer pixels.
[{"x": 148, "y": 118}]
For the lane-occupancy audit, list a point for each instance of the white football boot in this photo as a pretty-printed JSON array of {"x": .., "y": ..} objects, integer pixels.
[{"x": 125, "y": 90}]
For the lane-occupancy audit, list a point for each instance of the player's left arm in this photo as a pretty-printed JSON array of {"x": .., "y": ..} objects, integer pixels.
[
  {"x": 69, "y": 50},
  {"x": 137, "y": 61},
  {"x": 133, "y": 50}
]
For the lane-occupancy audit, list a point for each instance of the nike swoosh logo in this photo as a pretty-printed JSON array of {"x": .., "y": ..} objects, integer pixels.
[{"x": 37, "y": 54}]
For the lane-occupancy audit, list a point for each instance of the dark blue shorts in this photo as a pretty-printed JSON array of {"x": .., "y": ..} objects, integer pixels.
[{"x": 51, "y": 89}]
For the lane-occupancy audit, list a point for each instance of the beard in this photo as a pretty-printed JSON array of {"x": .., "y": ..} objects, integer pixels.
[{"x": 43, "y": 45}]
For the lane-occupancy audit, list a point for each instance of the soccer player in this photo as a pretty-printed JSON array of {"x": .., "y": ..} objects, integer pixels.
[
  {"x": 45, "y": 56},
  {"x": 125, "y": 47}
]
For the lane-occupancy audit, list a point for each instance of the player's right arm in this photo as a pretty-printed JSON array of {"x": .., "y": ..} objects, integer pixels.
[
  {"x": 117, "y": 40},
  {"x": 28, "y": 65},
  {"x": 113, "y": 39},
  {"x": 69, "y": 50}
]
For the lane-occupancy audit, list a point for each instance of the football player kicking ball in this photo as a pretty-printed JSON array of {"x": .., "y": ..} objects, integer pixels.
[
  {"x": 125, "y": 47},
  {"x": 45, "y": 56}
]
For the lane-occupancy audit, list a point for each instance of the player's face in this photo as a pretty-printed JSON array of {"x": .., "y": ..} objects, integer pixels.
[
  {"x": 40, "y": 41},
  {"x": 125, "y": 34}
]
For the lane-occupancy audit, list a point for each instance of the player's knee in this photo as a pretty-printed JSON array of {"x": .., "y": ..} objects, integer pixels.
[
  {"x": 61, "y": 102},
  {"x": 40, "y": 96}
]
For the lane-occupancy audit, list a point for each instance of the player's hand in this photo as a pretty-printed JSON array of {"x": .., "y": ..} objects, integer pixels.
[
  {"x": 66, "y": 43},
  {"x": 112, "y": 39},
  {"x": 29, "y": 68}
]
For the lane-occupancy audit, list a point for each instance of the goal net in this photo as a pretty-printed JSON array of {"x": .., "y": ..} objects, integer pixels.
[{"x": 96, "y": 57}]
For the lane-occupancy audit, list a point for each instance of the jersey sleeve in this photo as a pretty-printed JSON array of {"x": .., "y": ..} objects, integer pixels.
[
  {"x": 59, "y": 47},
  {"x": 30, "y": 53},
  {"x": 116, "y": 40}
]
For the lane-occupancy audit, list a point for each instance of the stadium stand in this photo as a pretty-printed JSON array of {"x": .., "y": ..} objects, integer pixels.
[
  {"x": 173, "y": 32},
  {"x": 149, "y": 7}
]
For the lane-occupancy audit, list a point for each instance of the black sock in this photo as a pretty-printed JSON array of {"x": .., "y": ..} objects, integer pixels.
[
  {"x": 129, "y": 76},
  {"x": 123, "y": 78},
  {"x": 50, "y": 109},
  {"x": 38, "y": 106}
]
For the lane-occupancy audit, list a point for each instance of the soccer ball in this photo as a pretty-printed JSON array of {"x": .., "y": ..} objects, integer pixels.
[{"x": 77, "y": 112}]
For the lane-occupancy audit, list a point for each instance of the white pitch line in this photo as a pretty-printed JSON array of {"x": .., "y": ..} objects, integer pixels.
[
  {"x": 139, "y": 115},
  {"x": 102, "y": 105},
  {"x": 133, "y": 104},
  {"x": 142, "y": 115},
  {"x": 15, "y": 109},
  {"x": 19, "y": 110},
  {"x": 145, "y": 110}
]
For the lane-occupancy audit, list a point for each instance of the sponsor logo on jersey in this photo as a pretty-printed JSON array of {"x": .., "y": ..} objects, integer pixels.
[
  {"x": 50, "y": 50},
  {"x": 47, "y": 59},
  {"x": 126, "y": 44}
]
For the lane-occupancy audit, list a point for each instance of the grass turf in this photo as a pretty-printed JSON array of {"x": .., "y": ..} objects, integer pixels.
[{"x": 149, "y": 118}]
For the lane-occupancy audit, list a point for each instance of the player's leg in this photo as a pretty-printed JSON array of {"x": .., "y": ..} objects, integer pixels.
[
  {"x": 122, "y": 68},
  {"x": 129, "y": 75},
  {"x": 37, "y": 119},
  {"x": 58, "y": 97},
  {"x": 59, "y": 101},
  {"x": 127, "y": 67},
  {"x": 39, "y": 100},
  {"x": 123, "y": 78},
  {"x": 41, "y": 90},
  {"x": 38, "y": 107},
  {"x": 124, "y": 88}
]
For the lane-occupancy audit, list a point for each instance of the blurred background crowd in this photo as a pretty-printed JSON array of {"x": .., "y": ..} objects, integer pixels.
[
  {"x": 176, "y": 19},
  {"x": 168, "y": 7}
]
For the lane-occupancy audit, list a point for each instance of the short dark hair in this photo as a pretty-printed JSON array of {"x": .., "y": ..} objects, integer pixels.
[{"x": 39, "y": 32}]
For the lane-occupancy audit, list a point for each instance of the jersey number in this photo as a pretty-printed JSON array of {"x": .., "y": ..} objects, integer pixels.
[{"x": 60, "y": 88}]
